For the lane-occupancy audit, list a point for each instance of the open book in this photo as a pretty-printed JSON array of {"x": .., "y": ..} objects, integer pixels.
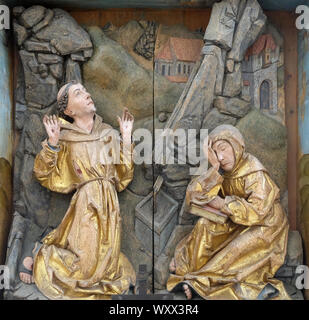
[{"x": 208, "y": 213}]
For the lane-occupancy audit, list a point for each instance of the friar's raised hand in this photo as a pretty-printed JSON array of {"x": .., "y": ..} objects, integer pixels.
[
  {"x": 211, "y": 155},
  {"x": 52, "y": 127},
  {"x": 126, "y": 125}
]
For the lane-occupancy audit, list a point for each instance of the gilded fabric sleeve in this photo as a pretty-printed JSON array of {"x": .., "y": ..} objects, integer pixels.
[
  {"x": 261, "y": 193},
  {"x": 204, "y": 188},
  {"x": 52, "y": 169},
  {"x": 125, "y": 169}
]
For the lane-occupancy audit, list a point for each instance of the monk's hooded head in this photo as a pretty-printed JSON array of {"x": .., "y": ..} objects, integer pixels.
[
  {"x": 74, "y": 101},
  {"x": 229, "y": 146}
]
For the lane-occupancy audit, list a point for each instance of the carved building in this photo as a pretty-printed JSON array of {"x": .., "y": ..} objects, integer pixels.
[
  {"x": 259, "y": 72},
  {"x": 177, "y": 58}
]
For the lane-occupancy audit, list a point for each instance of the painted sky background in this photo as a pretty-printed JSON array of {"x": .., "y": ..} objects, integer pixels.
[{"x": 5, "y": 102}]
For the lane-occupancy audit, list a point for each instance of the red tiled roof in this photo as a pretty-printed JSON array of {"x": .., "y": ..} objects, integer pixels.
[
  {"x": 165, "y": 53},
  {"x": 265, "y": 41},
  {"x": 184, "y": 49}
]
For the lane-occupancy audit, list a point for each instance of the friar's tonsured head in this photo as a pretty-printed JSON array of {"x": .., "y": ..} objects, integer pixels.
[
  {"x": 74, "y": 101},
  {"x": 63, "y": 97}
]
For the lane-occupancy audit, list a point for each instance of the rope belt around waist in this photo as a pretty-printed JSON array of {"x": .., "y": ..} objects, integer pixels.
[{"x": 95, "y": 179}]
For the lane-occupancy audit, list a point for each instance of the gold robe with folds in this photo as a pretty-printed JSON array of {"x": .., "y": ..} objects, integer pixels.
[
  {"x": 237, "y": 259},
  {"x": 81, "y": 258}
]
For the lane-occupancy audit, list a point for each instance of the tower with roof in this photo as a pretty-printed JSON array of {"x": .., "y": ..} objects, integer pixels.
[{"x": 259, "y": 74}]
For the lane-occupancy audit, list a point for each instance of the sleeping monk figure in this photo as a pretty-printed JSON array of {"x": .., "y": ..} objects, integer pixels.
[{"x": 236, "y": 259}]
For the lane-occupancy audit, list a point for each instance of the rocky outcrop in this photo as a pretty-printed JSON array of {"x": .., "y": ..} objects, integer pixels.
[
  {"x": 116, "y": 80},
  {"x": 266, "y": 139}
]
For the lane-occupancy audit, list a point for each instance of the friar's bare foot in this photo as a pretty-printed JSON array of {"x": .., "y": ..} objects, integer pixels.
[
  {"x": 187, "y": 291},
  {"x": 27, "y": 277},
  {"x": 172, "y": 265}
]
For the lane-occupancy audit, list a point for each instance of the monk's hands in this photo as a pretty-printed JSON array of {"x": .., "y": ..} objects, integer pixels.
[
  {"x": 52, "y": 127},
  {"x": 211, "y": 155},
  {"x": 126, "y": 126},
  {"x": 217, "y": 203}
]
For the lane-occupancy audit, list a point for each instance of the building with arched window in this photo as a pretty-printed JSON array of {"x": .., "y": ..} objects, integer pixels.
[{"x": 260, "y": 72}]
